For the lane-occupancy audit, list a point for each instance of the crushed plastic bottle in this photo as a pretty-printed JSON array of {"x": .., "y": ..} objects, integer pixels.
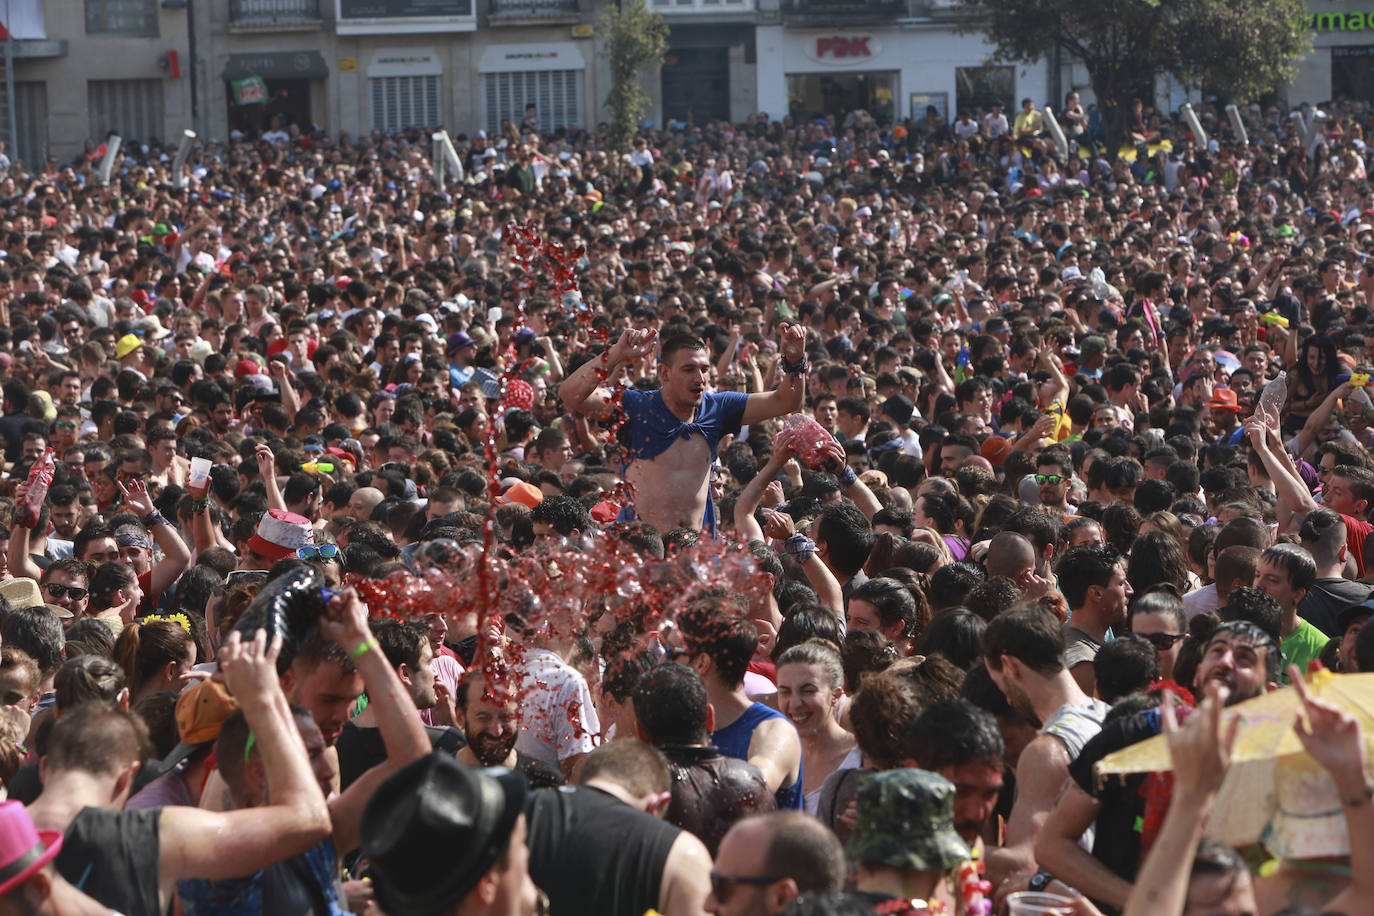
[{"x": 40, "y": 478}]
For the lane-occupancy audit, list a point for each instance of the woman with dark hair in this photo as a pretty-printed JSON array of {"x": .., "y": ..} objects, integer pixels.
[
  {"x": 808, "y": 622},
  {"x": 1158, "y": 617},
  {"x": 1316, "y": 371},
  {"x": 956, "y": 634},
  {"x": 1157, "y": 558},
  {"x": 942, "y": 512},
  {"x": 1121, "y": 527}
]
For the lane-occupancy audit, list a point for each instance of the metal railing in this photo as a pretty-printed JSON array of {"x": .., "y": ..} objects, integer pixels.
[
  {"x": 847, "y": 8},
  {"x": 532, "y": 9},
  {"x": 272, "y": 12}
]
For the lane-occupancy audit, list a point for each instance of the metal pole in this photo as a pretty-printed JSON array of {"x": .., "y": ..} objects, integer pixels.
[{"x": 9, "y": 83}]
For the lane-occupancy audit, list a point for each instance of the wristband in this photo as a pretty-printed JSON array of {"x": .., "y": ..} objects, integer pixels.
[
  {"x": 364, "y": 647},
  {"x": 200, "y": 505},
  {"x": 848, "y": 477},
  {"x": 1355, "y": 801},
  {"x": 800, "y": 367},
  {"x": 801, "y": 547},
  {"x": 153, "y": 518}
]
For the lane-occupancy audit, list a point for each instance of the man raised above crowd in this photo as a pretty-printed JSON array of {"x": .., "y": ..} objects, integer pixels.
[{"x": 673, "y": 433}]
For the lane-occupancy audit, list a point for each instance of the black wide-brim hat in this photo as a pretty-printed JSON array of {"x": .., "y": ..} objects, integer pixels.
[{"x": 434, "y": 828}]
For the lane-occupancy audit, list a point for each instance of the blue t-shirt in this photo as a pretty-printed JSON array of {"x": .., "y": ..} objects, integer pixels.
[
  {"x": 651, "y": 428},
  {"x": 304, "y": 883}
]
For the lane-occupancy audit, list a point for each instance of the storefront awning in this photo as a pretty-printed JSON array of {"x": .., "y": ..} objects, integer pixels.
[{"x": 285, "y": 65}]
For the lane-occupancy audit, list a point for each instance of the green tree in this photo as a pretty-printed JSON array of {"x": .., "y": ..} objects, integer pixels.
[
  {"x": 633, "y": 38},
  {"x": 1238, "y": 49}
]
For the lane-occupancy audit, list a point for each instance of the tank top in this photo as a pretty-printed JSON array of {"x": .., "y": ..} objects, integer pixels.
[
  {"x": 572, "y": 860},
  {"x": 733, "y": 741},
  {"x": 112, "y": 856},
  {"x": 1074, "y": 725}
]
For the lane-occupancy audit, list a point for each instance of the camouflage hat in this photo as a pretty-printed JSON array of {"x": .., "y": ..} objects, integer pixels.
[{"x": 906, "y": 820}]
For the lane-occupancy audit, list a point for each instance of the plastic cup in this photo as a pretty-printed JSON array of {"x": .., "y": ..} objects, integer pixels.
[
  {"x": 200, "y": 471},
  {"x": 1033, "y": 903}
]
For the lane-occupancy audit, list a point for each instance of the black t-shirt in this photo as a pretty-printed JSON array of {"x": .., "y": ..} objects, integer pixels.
[
  {"x": 1117, "y": 841},
  {"x": 1327, "y": 598},
  {"x": 574, "y": 860},
  {"x": 360, "y": 749},
  {"x": 538, "y": 774},
  {"x": 112, "y": 856}
]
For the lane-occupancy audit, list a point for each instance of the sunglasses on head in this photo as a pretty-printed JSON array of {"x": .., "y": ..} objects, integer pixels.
[
  {"x": 1048, "y": 478},
  {"x": 323, "y": 551},
  {"x": 1161, "y": 641}
]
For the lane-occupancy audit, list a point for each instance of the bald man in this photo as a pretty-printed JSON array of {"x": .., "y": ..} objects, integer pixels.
[
  {"x": 362, "y": 502},
  {"x": 1013, "y": 555}
]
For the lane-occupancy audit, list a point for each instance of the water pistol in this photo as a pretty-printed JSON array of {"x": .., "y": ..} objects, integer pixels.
[
  {"x": 1356, "y": 379},
  {"x": 1274, "y": 318},
  {"x": 317, "y": 467}
]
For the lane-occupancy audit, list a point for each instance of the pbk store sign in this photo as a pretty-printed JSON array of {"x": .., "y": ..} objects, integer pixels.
[{"x": 842, "y": 50}]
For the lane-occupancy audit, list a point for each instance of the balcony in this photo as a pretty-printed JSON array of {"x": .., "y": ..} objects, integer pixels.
[
  {"x": 274, "y": 14},
  {"x": 842, "y": 11},
  {"x": 532, "y": 12},
  {"x": 700, "y": 7}
]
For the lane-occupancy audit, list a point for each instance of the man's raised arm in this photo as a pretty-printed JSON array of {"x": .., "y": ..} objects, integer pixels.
[
  {"x": 583, "y": 391},
  {"x": 791, "y": 391}
]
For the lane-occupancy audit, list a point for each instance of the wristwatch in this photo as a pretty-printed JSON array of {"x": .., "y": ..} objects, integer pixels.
[{"x": 1040, "y": 880}]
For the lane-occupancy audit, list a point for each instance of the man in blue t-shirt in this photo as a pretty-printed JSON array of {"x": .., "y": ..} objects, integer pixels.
[{"x": 672, "y": 434}]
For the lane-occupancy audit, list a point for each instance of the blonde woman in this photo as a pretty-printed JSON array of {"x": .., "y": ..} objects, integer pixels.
[{"x": 810, "y": 689}]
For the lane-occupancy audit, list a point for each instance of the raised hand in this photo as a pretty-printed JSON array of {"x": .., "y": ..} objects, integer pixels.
[
  {"x": 1201, "y": 747},
  {"x": 793, "y": 343},
  {"x": 250, "y": 668},
  {"x": 1331, "y": 735},
  {"x": 634, "y": 344},
  {"x": 267, "y": 462},
  {"x": 778, "y": 525},
  {"x": 136, "y": 496}
]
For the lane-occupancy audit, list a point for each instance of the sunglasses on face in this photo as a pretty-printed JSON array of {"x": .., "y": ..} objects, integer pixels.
[
  {"x": 1048, "y": 478},
  {"x": 323, "y": 551},
  {"x": 719, "y": 882},
  {"x": 1161, "y": 641},
  {"x": 63, "y": 424},
  {"x": 57, "y": 591}
]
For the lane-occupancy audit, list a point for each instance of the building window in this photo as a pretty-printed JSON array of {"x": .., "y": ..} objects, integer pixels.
[
  {"x": 131, "y": 108},
  {"x": 983, "y": 87},
  {"x": 555, "y": 95},
  {"x": 121, "y": 17},
  {"x": 399, "y": 102}
]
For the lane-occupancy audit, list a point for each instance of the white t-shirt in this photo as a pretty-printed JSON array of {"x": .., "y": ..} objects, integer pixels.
[{"x": 558, "y": 717}]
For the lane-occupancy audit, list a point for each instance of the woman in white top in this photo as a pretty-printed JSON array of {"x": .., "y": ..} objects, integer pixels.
[
  {"x": 716, "y": 183},
  {"x": 810, "y": 686}
]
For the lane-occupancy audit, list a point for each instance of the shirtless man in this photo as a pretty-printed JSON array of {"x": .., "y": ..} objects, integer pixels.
[{"x": 673, "y": 433}]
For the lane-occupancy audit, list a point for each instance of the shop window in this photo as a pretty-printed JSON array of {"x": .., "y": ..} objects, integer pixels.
[
  {"x": 121, "y": 17},
  {"x": 399, "y": 102},
  {"x": 983, "y": 87},
  {"x": 555, "y": 94},
  {"x": 131, "y": 108}
]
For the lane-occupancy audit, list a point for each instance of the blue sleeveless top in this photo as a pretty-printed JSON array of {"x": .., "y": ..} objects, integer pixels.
[{"x": 733, "y": 741}]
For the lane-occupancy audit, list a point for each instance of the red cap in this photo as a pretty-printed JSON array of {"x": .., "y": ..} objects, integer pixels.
[{"x": 246, "y": 367}]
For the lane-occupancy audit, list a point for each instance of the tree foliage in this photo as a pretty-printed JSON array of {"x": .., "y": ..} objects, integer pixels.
[
  {"x": 633, "y": 39},
  {"x": 1238, "y": 49}
]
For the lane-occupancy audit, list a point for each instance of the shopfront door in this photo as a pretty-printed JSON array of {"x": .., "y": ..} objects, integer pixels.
[
  {"x": 696, "y": 85},
  {"x": 813, "y": 95},
  {"x": 1352, "y": 73}
]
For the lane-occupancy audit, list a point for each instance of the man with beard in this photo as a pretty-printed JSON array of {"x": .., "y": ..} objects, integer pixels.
[
  {"x": 409, "y": 652},
  {"x": 1241, "y": 661},
  {"x": 1024, "y": 651},
  {"x": 1093, "y": 581},
  {"x": 490, "y": 719}
]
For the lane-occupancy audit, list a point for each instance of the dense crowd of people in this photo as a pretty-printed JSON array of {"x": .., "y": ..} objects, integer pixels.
[{"x": 1033, "y": 464}]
